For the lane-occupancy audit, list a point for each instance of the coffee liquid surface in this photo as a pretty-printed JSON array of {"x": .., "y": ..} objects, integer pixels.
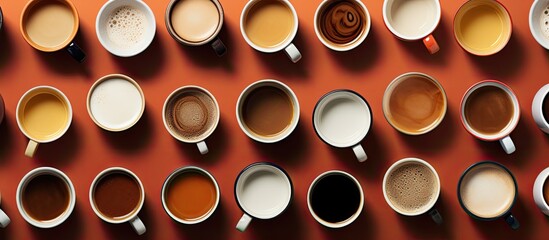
[
  {"x": 416, "y": 104},
  {"x": 411, "y": 187},
  {"x": 545, "y": 108},
  {"x": 269, "y": 23},
  {"x": 342, "y": 22},
  {"x": 50, "y": 23},
  {"x": 117, "y": 195},
  {"x": 44, "y": 116},
  {"x": 195, "y": 20},
  {"x": 335, "y": 198},
  {"x": 489, "y": 110},
  {"x": 45, "y": 197},
  {"x": 267, "y": 111},
  {"x": 191, "y": 114},
  {"x": 126, "y": 27},
  {"x": 191, "y": 195},
  {"x": 483, "y": 27}
]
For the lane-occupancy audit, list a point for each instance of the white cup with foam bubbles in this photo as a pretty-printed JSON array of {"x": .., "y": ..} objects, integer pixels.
[{"x": 125, "y": 27}]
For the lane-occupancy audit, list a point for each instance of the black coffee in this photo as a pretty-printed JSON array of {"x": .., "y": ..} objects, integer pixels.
[
  {"x": 335, "y": 198},
  {"x": 545, "y": 108}
]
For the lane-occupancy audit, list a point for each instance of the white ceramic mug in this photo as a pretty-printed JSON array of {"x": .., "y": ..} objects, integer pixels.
[
  {"x": 413, "y": 20},
  {"x": 540, "y": 190},
  {"x": 262, "y": 191},
  {"x": 132, "y": 218},
  {"x": 537, "y": 18},
  {"x": 4, "y": 219},
  {"x": 143, "y": 14},
  {"x": 537, "y": 108},
  {"x": 342, "y": 118},
  {"x": 21, "y": 191},
  {"x": 289, "y": 48}
]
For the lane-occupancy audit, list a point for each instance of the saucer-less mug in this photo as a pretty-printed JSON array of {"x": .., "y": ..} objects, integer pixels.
[
  {"x": 540, "y": 108},
  {"x": 4, "y": 219}
]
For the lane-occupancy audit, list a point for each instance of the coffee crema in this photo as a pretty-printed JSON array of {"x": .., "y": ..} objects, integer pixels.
[
  {"x": 44, "y": 116},
  {"x": 267, "y": 111},
  {"x": 335, "y": 198},
  {"x": 117, "y": 195},
  {"x": 489, "y": 110},
  {"x": 191, "y": 114},
  {"x": 195, "y": 20},
  {"x": 50, "y": 24},
  {"x": 411, "y": 187},
  {"x": 191, "y": 195},
  {"x": 126, "y": 26},
  {"x": 45, "y": 197},
  {"x": 269, "y": 23},
  {"x": 342, "y": 22}
]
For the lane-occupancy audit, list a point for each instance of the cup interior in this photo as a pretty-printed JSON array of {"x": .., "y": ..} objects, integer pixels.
[
  {"x": 263, "y": 190},
  {"x": 194, "y": 22},
  {"x": 539, "y": 22},
  {"x": 342, "y": 118},
  {"x": 411, "y": 20},
  {"x": 540, "y": 108}
]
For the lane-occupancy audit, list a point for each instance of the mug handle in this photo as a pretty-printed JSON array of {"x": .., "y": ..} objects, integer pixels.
[
  {"x": 138, "y": 226},
  {"x": 219, "y": 48},
  {"x": 360, "y": 153},
  {"x": 435, "y": 215},
  {"x": 431, "y": 44},
  {"x": 4, "y": 219},
  {"x": 292, "y": 52},
  {"x": 76, "y": 52},
  {"x": 202, "y": 147},
  {"x": 243, "y": 222},
  {"x": 512, "y": 221},
  {"x": 507, "y": 144},
  {"x": 31, "y": 148}
]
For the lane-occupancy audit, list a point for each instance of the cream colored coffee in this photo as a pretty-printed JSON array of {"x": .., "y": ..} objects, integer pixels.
[
  {"x": 411, "y": 187},
  {"x": 191, "y": 114},
  {"x": 269, "y": 23},
  {"x": 126, "y": 26},
  {"x": 50, "y": 24},
  {"x": 487, "y": 191},
  {"x": 195, "y": 20}
]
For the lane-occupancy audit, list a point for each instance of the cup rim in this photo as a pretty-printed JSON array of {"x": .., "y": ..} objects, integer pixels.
[
  {"x": 149, "y": 14},
  {"x": 180, "y": 90},
  {"x": 171, "y": 30},
  {"x": 537, "y": 110},
  {"x": 1, "y": 17},
  {"x": 104, "y": 79},
  {"x": 510, "y": 126},
  {"x": 329, "y": 94},
  {"x": 46, "y": 171},
  {"x": 397, "y": 81},
  {"x": 493, "y": 3},
  {"x": 539, "y": 183},
  {"x": 388, "y": 25},
  {"x": 136, "y": 210},
  {"x": 291, "y": 95},
  {"x": 274, "y": 167},
  {"x": 535, "y": 31},
  {"x": 355, "y": 42},
  {"x": 178, "y": 172},
  {"x": 24, "y": 14},
  {"x": 349, "y": 220},
  {"x": 460, "y": 181},
  {"x": 48, "y": 91},
  {"x": 280, "y": 46}
]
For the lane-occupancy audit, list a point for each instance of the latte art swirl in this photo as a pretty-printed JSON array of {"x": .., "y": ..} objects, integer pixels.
[{"x": 342, "y": 22}]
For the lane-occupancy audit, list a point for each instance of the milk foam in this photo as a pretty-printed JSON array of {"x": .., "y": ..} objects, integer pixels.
[
  {"x": 116, "y": 103},
  {"x": 126, "y": 26},
  {"x": 544, "y": 22},
  {"x": 411, "y": 187}
]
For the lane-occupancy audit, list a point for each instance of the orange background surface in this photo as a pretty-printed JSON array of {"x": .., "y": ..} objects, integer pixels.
[{"x": 148, "y": 150}]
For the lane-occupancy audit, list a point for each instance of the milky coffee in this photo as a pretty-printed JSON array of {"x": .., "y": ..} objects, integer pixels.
[
  {"x": 127, "y": 26},
  {"x": 411, "y": 187},
  {"x": 195, "y": 20}
]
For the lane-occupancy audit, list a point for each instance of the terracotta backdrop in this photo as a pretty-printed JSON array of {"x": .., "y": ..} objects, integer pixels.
[{"x": 148, "y": 150}]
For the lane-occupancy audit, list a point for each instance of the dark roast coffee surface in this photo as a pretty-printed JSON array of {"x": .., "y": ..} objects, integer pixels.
[
  {"x": 45, "y": 197},
  {"x": 117, "y": 195},
  {"x": 335, "y": 198}
]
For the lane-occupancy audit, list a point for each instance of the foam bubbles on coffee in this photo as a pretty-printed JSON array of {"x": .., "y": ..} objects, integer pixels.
[
  {"x": 544, "y": 22},
  {"x": 126, "y": 26},
  {"x": 411, "y": 187},
  {"x": 191, "y": 115}
]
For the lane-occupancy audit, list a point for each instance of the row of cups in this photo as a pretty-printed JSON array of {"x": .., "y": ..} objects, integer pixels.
[
  {"x": 126, "y": 27},
  {"x": 486, "y": 191}
]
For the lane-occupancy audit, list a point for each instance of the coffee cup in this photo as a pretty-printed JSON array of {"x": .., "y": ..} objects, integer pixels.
[
  {"x": 482, "y": 27},
  {"x": 2, "y": 109},
  {"x": 413, "y": 20},
  {"x": 335, "y": 199},
  {"x": 487, "y": 191},
  {"x": 196, "y": 23},
  {"x": 115, "y": 102},
  {"x": 490, "y": 111},
  {"x": 44, "y": 114},
  {"x": 539, "y": 22},
  {"x": 540, "y": 108},
  {"x": 45, "y": 197},
  {"x": 51, "y": 25},
  {"x": 4, "y": 219},
  {"x": 342, "y": 25},
  {"x": 541, "y": 191},
  {"x": 190, "y": 195},
  {"x": 191, "y": 114},
  {"x": 411, "y": 187},
  {"x": 125, "y": 28},
  {"x": 1, "y": 18},
  {"x": 414, "y": 103},
  {"x": 270, "y": 26},
  {"x": 342, "y": 118},
  {"x": 262, "y": 191},
  {"x": 116, "y": 196},
  {"x": 267, "y": 111}
]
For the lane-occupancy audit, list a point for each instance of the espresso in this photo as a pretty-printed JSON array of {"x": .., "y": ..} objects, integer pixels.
[
  {"x": 342, "y": 22},
  {"x": 411, "y": 187},
  {"x": 126, "y": 27},
  {"x": 50, "y": 24},
  {"x": 267, "y": 111},
  {"x": 545, "y": 108},
  {"x": 335, "y": 198},
  {"x": 415, "y": 104},
  {"x": 269, "y": 23},
  {"x": 191, "y": 195},
  {"x": 546, "y": 191},
  {"x": 191, "y": 114},
  {"x": 117, "y": 195},
  {"x": 45, "y": 197},
  {"x": 195, "y": 20},
  {"x": 489, "y": 110}
]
